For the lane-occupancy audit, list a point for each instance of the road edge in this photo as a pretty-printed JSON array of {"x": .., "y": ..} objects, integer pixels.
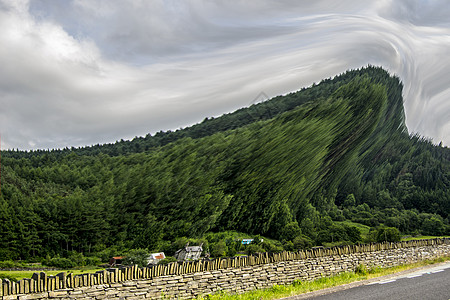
[{"x": 357, "y": 283}]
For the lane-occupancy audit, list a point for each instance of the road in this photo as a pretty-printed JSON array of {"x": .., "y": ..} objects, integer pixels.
[{"x": 432, "y": 282}]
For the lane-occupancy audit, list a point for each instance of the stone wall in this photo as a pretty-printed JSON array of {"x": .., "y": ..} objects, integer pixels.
[{"x": 235, "y": 275}]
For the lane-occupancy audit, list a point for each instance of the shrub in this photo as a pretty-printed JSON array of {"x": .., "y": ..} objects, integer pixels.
[
  {"x": 167, "y": 260},
  {"x": 302, "y": 242},
  {"x": 297, "y": 282},
  {"x": 388, "y": 234},
  {"x": 77, "y": 258},
  {"x": 107, "y": 253},
  {"x": 290, "y": 231},
  {"x": 433, "y": 226},
  {"x": 361, "y": 269},
  {"x": 136, "y": 257},
  {"x": 8, "y": 264},
  {"x": 254, "y": 248},
  {"x": 352, "y": 233},
  {"x": 60, "y": 262},
  {"x": 231, "y": 252},
  {"x": 270, "y": 246},
  {"x": 7, "y": 276},
  {"x": 92, "y": 261},
  {"x": 219, "y": 249},
  {"x": 288, "y": 246}
]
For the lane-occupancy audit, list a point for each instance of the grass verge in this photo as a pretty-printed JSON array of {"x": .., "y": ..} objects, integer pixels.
[
  {"x": 301, "y": 287},
  {"x": 18, "y": 275},
  {"x": 424, "y": 237}
]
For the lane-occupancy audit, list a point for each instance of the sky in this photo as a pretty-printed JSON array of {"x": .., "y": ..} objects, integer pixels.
[{"x": 84, "y": 72}]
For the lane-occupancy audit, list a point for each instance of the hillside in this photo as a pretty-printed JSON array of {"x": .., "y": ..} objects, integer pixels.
[{"x": 293, "y": 168}]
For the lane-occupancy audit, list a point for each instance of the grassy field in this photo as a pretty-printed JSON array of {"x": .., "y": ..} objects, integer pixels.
[
  {"x": 298, "y": 287},
  {"x": 17, "y": 275},
  {"x": 364, "y": 229},
  {"x": 423, "y": 237}
]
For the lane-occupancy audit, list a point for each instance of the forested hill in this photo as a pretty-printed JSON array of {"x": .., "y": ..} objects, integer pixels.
[{"x": 302, "y": 168}]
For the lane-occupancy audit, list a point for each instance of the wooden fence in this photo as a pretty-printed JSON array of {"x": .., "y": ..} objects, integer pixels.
[{"x": 41, "y": 282}]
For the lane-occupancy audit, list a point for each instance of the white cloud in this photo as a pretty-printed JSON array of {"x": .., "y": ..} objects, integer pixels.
[{"x": 86, "y": 72}]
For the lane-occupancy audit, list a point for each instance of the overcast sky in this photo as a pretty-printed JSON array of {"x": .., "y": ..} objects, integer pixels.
[{"x": 82, "y": 72}]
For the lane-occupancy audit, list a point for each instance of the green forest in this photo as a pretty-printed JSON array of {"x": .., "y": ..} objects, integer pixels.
[{"x": 327, "y": 165}]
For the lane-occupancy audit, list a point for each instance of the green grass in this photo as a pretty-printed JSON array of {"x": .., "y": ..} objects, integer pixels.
[
  {"x": 18, "y": 275},
  {"x": 299, "y": 287},
  {"x": 423, "y": 237}
]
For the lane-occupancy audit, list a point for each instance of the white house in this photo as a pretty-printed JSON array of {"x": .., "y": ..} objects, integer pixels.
[
  {"x": 189, "y": 252},
  {"x": 154, "y": 258}
]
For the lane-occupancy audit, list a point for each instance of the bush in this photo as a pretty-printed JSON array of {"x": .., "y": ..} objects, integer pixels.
[
  {"x": 77, "y": 258},
  {"x": 254, "y": 248},
  {"x": 297, "y": 282},
  {"x": 302, "y": 242},
  {"x": 388, "y": 234},
  {"x": 136, "y": 257},
  {"x": 92, "y": 261},
  {"x": 9, "y": 264},
  {"x": 74, "y": 259},
  {"x": 433, "y": 226},
  {"x": 290, "y": 231},
  {"x": 361, "y": 269},
  {"x": 7, "y": 276},
  {"x": 231, "y": 252},
  {"x": 107, "y": 253},
  {"x": 270, "y": 246},
  {"x": 219, "y": 249},
  {"x": 167, "y": 260},
  {"x": 288, "y": 246},
  {"x": 353, "y": 233}
]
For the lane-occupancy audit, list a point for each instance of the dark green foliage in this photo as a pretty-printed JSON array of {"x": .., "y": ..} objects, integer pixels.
[
  {"x": 361, "y": 269},
  {"x": 8, "y": 276},
  {"x": 9, "y": 264},
  {"x": 74, "y": 259},
  {"x": 271, "y": 246},
  {"x": 336, "y": 232},
  {"x": 388, "y": 234},
  {"x": 167, "y": 260},
  {"x": 219, "y": 249},
  {"x": 433, "y": 226},
  {"x": 61, "y": 263},
  {"x": 255, "y": 248},
  {"x": 287, "y": 169},
  {"x": 290, "y": 231},
  {"x": 301, "y": 243},
  {"x": 136, "y": 257},
  {"x": 92, "y": 261}
]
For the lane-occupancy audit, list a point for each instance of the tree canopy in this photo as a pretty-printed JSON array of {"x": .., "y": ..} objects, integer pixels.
[{"x": 292, "y": 168}]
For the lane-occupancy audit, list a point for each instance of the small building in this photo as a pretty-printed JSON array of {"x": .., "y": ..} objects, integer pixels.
[
  {"x": 249, "y": 241},
  {"x": 246, "y": 241},
  {"x": 116, "y": 261},
  {"x": 154, "y": 258},
  {"x": 189, "y": 252}
]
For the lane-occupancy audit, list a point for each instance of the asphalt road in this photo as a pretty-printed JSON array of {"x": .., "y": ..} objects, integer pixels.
[{"x": 432, "y": 282}]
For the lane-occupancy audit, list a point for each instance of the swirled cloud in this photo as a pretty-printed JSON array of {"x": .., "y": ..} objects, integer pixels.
[{"x": 79, "y": 72}]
